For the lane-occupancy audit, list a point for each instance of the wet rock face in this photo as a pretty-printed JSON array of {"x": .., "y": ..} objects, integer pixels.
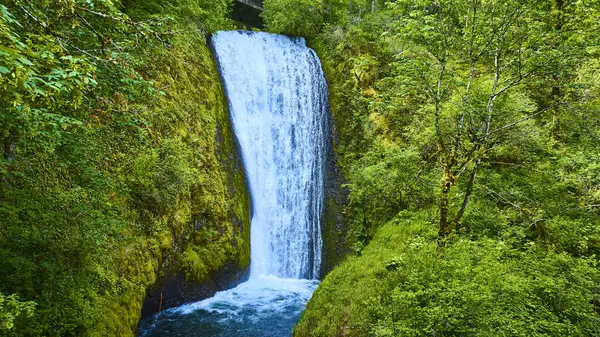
[
  {"x": 175, "y": 291},
  {"x": 335, "y": 224}
]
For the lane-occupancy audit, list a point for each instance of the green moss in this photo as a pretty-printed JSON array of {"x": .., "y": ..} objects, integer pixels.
[
  {"x": 337, "y": 308},
  {"x": 207, "y": 226},
  {"x": 127, "y": 171}
]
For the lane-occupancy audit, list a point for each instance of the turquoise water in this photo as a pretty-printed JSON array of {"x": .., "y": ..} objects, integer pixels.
[{"x": 266, "y": 306}]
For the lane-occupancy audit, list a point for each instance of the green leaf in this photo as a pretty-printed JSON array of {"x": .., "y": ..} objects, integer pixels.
[{"x": 25, "y": 61}]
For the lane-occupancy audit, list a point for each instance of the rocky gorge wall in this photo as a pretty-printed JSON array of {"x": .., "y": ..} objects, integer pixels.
[
  {"x": 207, "y": 245},
  {"x": 141, "y": 205}
]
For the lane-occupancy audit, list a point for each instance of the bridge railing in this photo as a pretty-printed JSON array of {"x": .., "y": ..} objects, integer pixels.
[{"x": 253, "y": 3}]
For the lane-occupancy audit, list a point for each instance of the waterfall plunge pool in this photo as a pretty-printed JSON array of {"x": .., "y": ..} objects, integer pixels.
[{"x": 263, "y": 306}]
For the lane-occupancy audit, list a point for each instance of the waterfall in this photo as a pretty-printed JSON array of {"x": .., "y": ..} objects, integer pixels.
[{"x": 278, "y": 104}]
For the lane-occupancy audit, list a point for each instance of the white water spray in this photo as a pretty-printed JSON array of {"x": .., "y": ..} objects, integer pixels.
[{"x": 278, "y": 104}]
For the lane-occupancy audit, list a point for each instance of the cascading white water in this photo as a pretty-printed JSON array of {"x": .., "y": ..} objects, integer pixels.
[{"x": 278, "y": 104}]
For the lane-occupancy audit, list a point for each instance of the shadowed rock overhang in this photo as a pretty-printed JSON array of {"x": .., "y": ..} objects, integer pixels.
[{"x": 247, "y": 13}]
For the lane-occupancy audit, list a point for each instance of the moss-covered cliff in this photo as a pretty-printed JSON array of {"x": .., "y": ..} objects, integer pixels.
[
  {"x": 207, "y": 232},
  {"x": 120, "y": 175}
]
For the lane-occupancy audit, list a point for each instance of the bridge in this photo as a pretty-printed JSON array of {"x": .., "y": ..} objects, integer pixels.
[
  {"x": 257, "y": 4},
  {"x": 247, "y": 13}
]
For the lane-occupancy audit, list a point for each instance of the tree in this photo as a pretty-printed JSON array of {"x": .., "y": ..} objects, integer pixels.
[
  {"x": 471, "y": 59},
  {"x": 304, "y": 17},
  {"x": 11, "y": 308}
]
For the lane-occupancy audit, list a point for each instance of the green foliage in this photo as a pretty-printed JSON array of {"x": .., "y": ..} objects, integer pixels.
[
  {"x": 529, "y": 233},
  {"x": 402, "y": 286},
  {"x": 116, "y": 164},
  {"x": 205, "y": 15},
  {"x": 116, "y": 157},
  {"x": 382, "y": 185},
  {"x": 302, "y": 18},
  {"x": 11, "y": 308}
]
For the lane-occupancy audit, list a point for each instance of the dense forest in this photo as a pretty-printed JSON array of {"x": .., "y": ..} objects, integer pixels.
[
  {"x": 469, "y": 135},
  {"x": 467, "y": 132}
]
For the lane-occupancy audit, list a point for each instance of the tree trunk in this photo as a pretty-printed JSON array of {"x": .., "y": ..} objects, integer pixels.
[
  {"x": 556, "y": 92},
  {"x": 10, "y": 143},
  {"x": 444, "y": 227},
  {"x": 8, "y": 148},
  {"x": 447, "y": 183},
  {"x": 468, "y": 192}
]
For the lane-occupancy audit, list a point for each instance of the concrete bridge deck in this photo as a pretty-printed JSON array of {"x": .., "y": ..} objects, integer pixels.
[{"x": 257, "y": 4}]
